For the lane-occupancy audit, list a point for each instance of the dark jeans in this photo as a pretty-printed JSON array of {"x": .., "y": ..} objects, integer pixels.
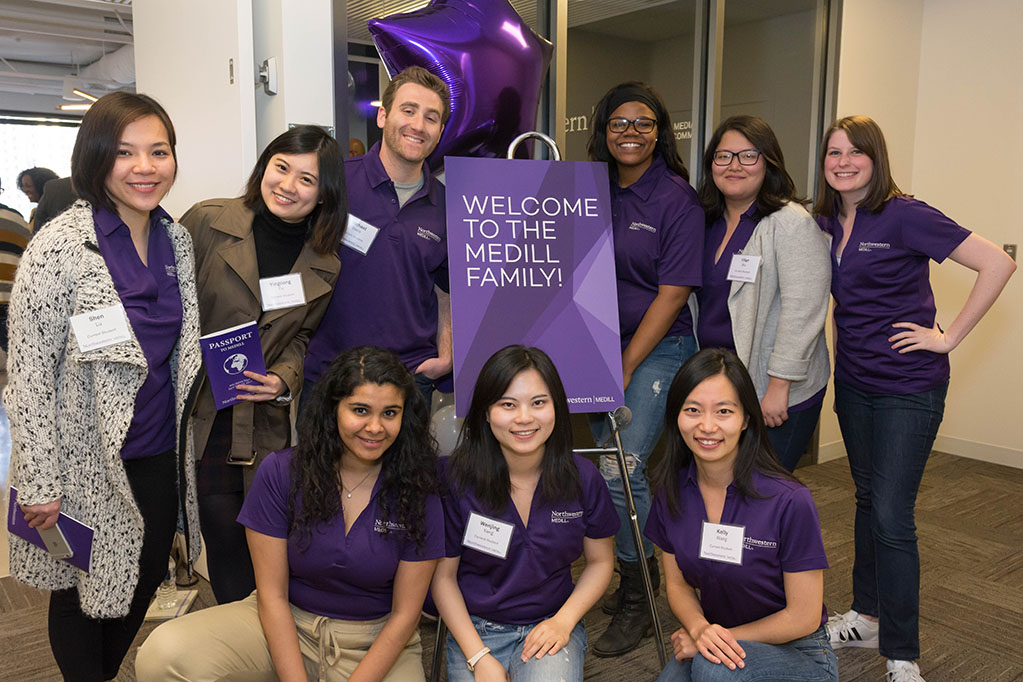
[
  {"x": 791, "y": 438},
  {"x": 90, "y": 650},
  {"x": 227, "y": 552},
  {"x": 888, "y": 439}
]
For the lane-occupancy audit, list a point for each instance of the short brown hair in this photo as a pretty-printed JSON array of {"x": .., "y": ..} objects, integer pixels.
[
  {"x": 99, "y": 139},
  {"x": 865, "y": 135},
  {"x": 419, "y": 76}
]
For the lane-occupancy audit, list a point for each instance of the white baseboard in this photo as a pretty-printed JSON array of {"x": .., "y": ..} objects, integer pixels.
[{"x": 995, "y": 454}]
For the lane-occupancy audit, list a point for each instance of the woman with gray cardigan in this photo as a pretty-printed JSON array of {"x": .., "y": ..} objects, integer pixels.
[{"x": 766, "y": 280}]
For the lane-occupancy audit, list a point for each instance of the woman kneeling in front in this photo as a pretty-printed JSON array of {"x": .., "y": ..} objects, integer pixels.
[
  {"x": 344, "y": 530},
  {"x": 735, "y": 525}
]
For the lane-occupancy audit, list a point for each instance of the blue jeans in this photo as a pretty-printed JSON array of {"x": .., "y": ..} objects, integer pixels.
[
  {"x": 506, "y": 641},
  {"x": 888, "y": 439},
  {"x": 809, "y": 659},
  {"x": 646, "y": 396},
  {"x": 791, "y": 438}
]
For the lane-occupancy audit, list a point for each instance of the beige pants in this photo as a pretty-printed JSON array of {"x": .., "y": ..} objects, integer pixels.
[{"x": 226, "y": 644}]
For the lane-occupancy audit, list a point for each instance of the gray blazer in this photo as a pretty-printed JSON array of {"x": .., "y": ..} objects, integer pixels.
[{"x": 778, "y": 320}]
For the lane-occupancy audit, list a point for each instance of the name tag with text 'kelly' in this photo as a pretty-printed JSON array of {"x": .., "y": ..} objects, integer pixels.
[{"x": 722, "y": 542}]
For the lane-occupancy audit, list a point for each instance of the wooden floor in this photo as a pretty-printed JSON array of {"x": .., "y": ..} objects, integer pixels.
[{"x": 970, "y": 523}]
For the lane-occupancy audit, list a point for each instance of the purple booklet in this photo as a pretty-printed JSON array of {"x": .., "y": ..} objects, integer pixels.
[
  {"x": 226, "y": 355},
  {"x": 77, "y": 534}
]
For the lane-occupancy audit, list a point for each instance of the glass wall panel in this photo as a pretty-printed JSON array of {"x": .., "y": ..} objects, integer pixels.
[
  {"x": 768, "y": 70},
  {"x": 610, "y": 41}
]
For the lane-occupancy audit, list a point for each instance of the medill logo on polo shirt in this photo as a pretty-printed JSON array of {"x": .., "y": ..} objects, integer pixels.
[
  {"x": 643, "y": 226},
  {"x": 870, "y": 246},
  {"x": 564, "y": 516},
  {"x": 426, "y": 234}
]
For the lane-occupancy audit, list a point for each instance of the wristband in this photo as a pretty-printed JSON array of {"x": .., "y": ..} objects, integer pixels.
[{"x": 471, "y": 663}]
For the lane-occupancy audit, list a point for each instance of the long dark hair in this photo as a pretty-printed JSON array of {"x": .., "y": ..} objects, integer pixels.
[
  {"x": 477, "y": 463},
  {"x": 755, "y": 451},
  {"x": 634, "y": 91},
  {"x": 408, "y": 468},
  {"x": 864, "y": 134},
  {"x": 777, "y": 189},
  {"x": 329, "y": 217}
]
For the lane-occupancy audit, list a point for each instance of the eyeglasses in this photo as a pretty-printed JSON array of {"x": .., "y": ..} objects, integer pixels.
[
  {"x": 747, "y": 157},
  {"x": 642, "y": 125}
]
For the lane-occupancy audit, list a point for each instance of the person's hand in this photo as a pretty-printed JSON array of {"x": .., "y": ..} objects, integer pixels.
[
  {"x": 718, "y": 645},
  {"x": 434, "y": 368},
  {"x": 546, "y": 638},
  {"x": 683, "y": 645},
  {"x": 775, "y": 405},
  {"x": 919, "y": 338},
  {"x": 269, "y": 387},
  {"x": 41, "y": 516},
  {"x": 489, "y": 669}
]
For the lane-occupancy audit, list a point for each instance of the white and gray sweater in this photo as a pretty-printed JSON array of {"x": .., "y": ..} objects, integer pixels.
[{"x": 70, "y": 411}]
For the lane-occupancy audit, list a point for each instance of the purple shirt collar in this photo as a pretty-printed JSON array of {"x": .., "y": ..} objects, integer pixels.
[
  {"x": 107, "y": 221},
  {"x": 377, "y": 174},
  {"x": 647, "y": 182}
]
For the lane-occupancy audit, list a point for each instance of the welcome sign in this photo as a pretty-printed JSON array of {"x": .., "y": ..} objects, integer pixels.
[{"x": 532, "y": 262}]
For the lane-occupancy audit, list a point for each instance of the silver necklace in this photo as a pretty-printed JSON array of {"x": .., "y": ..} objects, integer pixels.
[{"x": 348, "y": 493}]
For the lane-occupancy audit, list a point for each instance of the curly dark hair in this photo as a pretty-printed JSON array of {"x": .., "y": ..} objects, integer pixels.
[
  {"x": 409, "y": 466},
  {"x": 477, "y": 463},
  {"x": 634, "y": 91},
  {"x": 777, "y": 189},
  {"x": 755, "y": 451}
]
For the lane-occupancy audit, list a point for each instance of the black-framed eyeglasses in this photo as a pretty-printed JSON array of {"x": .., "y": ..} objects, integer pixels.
[
  {"x": 747, "y": 157},
  {"x": 643, "y": 125}
]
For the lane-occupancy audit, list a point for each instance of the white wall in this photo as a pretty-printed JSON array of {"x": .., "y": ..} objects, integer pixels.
[{"x": 942, "y": 79}]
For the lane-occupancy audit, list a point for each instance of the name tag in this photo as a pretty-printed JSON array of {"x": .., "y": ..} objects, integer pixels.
[
  {"x": 487, "y": 535},
  {"x": 282, "y": 292},
  {"x": 743, "y": 268},
  {"x": 100, "y": 328},
  {"x": 359, "y": 234},
  {"x": 722, "y": 542}
]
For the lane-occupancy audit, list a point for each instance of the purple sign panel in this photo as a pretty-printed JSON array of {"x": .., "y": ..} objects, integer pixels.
[{"x": 531, "y": 262}]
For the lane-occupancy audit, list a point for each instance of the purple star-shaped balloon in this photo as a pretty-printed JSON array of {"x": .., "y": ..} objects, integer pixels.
[{"x": 493, "y": 63}]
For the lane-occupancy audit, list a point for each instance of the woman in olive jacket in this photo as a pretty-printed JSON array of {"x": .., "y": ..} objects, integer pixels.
[{"x": 289, "y": 221}]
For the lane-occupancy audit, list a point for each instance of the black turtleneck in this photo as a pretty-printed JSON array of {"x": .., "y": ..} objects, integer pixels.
[{"x": 277, "y": 243}]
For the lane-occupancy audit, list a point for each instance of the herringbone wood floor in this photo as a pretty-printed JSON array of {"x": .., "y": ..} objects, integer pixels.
[{"x": 970, "y": 523}]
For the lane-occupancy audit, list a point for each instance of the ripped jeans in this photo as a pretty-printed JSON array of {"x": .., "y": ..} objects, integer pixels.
[
  {"x": 646, "y": 395},
  {"x": 506, "y": 642}
]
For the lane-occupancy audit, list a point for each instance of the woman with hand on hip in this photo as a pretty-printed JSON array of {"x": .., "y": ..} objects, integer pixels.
[
  {"x": 345, "y": 530},
  {"x": 520, "y": 508},
  {"x": 283, "y": 233},
  {"x": 766, "y": 279},
  {"x": 740, "y": 530},
  {"x": 891, "y": 370},
  {"x": 104, "y": 347},
  {"x": 658, "y": 228}
]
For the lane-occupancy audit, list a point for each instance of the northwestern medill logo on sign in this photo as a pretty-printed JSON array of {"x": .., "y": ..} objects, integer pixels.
[
  {"x": 236, "y": 364},
  {"x": 870, "y": 246}
]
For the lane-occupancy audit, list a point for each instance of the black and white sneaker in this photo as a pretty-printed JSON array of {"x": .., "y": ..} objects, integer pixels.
[{"x": 852, "y": 629}]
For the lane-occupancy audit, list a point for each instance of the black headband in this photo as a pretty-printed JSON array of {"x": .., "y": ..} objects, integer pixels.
[{"x": 633, "y": 93}]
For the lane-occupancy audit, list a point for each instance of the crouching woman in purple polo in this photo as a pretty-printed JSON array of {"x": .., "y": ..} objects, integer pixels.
[
  {"x": 344, "y": 531},
  {"x": 519, "y": 510},
  {"x": 736, "y": 526}
]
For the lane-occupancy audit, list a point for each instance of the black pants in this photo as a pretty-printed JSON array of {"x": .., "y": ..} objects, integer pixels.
[
  {"x": 227, "y": 551},
  {"x": 91, "y": 650}
]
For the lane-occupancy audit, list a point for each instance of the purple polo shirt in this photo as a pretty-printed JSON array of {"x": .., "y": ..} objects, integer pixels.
[
  {"x": 782, "y": 534},
  {"x": 330, "y": 574},
  {"x": 658, "y": 227},
  {"x": 153, "y": 304},
  {"x": 884, "y": 278},
  {"x": 385, "y": 298},
  {"x": 535, "y": 579},
  {"x": 715, "y": 325}
]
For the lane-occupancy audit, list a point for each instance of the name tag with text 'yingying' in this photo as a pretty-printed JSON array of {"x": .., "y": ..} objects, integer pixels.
[{"x": 282, "y": 292}]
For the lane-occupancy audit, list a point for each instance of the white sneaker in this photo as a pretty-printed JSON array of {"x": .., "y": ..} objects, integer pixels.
[
  {"x": 852, "y": 629},
  {"x": 903, "y": 671}
]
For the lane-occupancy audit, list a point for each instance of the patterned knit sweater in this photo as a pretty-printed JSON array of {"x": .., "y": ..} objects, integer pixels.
[{"x": 70, "y": 411}]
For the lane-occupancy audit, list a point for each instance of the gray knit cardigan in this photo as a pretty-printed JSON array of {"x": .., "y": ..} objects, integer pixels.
[{"x": 70, "y": 411}]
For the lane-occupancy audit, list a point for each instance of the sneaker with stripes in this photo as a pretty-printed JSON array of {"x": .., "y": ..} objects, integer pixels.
[{"x": 852, "y": 629}]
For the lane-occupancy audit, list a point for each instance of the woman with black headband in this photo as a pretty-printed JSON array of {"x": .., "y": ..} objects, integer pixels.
[{"x": 658, "y": 236}]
